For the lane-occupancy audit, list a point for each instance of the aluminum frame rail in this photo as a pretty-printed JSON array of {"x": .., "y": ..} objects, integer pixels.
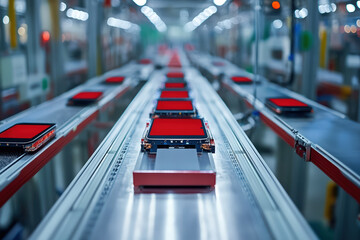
[
  {"x": 248, "y": 202},
  {"x": 327, "y": 139},
  {"x": 18, "y": 167}
]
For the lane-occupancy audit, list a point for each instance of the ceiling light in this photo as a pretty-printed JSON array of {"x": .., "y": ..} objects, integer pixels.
[
  {"x": 200, "y": 18},
  {"x": 6, "y": 19},
  {"x": 140, "y": 2},
  {"x": 219, "y": 2},
  {"x": 350, "y": 8},
  {"x": 154, "y": 18},
  {"x": 333, "y": 6},
  {"x": 277, "y": 24},
  {"x": 62, "y": 6}
]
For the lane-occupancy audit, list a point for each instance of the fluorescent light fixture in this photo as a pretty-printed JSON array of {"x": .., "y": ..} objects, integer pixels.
[
  {"x": 154, "y": 18},
  {"x": 277, "y": 24},
  {"x": 350, "y": 7},
  {"x": 219, "y": 2},
  {"x": 303, "y": 13},
  {"x": 200, "y": 18},
  {"x": 334, "y": 7},
  {"x": 327, "y": 8},
  {"x": 114, "y": 22},
  {"x": 62, "y": 6},
  {"x": 77, "y": 14},
  {"x": 6, "y": 19},
  {"x": 140, "y": 2}
]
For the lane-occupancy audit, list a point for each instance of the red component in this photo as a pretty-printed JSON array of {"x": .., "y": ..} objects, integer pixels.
[
  {"x": 175, "y": 61},
  {"x": 41, "y": 141},
  {"x": 335, "y": 174},
  {"x": 275, "y": 4},
  {"x": 115, "y": 79},
  {"x": 287, "y": 102},
  {"x": 87, "y": 95},
  {"x": 278, "y": 130},
  {"x": 174, "y": 105},
  {"x": 24, "y": 131},
  {"x": 240, "y": 79},
  {"x": 174, "y": 178},
  {"x": 145, "y": 61},
  {"x": 175, "y": 75},
  {"x": 34, "y": 166},
  {"x": 107, "y": 3},
  {"x": 174, "y": 85},
  {"x": 174, "y": 94},
  {"x": 45, "y": 37},
  {"x": 177, "y": 127}
]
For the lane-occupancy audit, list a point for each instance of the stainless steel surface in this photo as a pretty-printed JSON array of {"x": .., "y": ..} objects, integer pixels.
[
  {"x": 176, "y": 159},
  {"x": 337, "y": 135},
  {"x": 247, "y": 203},
  {"x": 147, "y": 162},
  {"x": 67, "y": 119}
]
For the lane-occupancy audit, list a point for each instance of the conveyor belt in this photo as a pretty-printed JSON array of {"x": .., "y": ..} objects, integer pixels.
[
  {"x": 334, "y": 139},
  {"x": 247, "y": 203},
  {"x": 16, "y": 167}
]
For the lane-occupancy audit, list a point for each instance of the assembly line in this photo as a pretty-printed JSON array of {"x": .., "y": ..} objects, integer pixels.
[
  {"x": 324, "y": 137},
  {"x": 158, "y": 119},
  {"x": 18, "y": 167},
  {"x": 246, "y": 192}
]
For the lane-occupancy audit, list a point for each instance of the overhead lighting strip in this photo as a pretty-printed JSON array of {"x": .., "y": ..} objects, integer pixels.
[
  {"x": 123, "y": 24},
  {"x": 200, "y": 18},
  {"x": 154, "y": 18}
]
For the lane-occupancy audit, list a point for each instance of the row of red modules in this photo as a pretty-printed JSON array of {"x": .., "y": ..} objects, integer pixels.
[{"x": 176, "y": 140}]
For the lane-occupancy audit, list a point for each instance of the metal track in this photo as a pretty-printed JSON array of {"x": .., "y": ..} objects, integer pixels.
[
  {"x": 247, "y": 202},
  {"x": 16, "y": 167}
]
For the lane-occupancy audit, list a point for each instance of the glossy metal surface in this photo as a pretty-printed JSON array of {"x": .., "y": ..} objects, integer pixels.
[
  {"x": 331, "y": 131},
  {"x": 66, "y": 118},
  {"x": 247, "y": 203}
]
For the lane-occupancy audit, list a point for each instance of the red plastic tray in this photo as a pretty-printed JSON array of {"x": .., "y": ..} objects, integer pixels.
[
  {"x": 87, "y": 95},
  {"x": 175, "y": 75},
  {"x": 241, "y": 79},
  {"x": 174, "y": 85},
  {"x": 174, "y": 94},
  {"x": 24, "y": 131},
  {"x": 174, "y": 105},
  {"x": 119, "y": 79},
  {"x": 177, "y": 127},
  {"x": 287, "y": 102}
]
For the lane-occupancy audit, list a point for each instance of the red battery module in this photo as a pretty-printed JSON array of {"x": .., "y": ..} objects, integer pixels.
[{"x": 29, "y": 136}]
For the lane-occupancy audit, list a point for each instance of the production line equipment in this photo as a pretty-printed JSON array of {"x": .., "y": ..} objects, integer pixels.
[
  {"x": 29, "y": 140},
  {"x": 129, "y": 191},
  {"x": 319, "y": 135},
  {"x": 176, "y": 140}
]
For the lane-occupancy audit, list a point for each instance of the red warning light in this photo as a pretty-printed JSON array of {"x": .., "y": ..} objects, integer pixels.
[
  {"x": 275, "y": 4},
  {"x": 45, "y": 36}
]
